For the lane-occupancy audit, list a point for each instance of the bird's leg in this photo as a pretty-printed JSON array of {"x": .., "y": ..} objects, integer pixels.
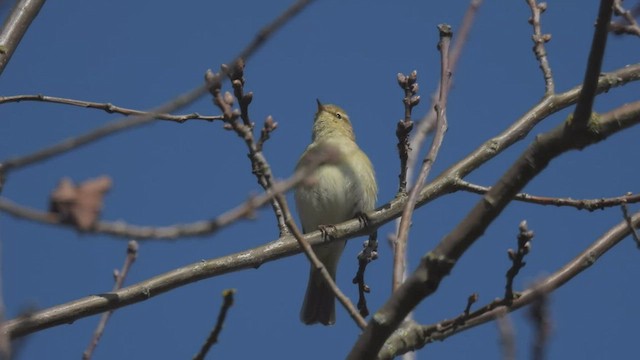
[{"x": 328, "y": 232}]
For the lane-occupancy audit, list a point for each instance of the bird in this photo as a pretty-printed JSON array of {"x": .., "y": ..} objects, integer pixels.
[{"x": 337, "y": 191}]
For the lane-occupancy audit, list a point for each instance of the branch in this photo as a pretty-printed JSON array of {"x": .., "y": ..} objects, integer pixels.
[
  {"x": 580, "y": 204},
  {"x": 107, "y": 107},
  {"x": 259, "y": 165},
  {"x": 368, "y": 253},
  {"x": 517, "y": 258},
  {"x": 132, "y": 255},
  {"x": 410, "y": 86},
  {"x": 227, "y": 302},
  {"x": 421, "y": 335},
  {"x": 399, "y": 257},
  {"x": 628, "y": 25},
  {"x": 539, "y": 39},
  {"x": 594, "y": 65},
  {"x": 15, "y": 26},
  {"x": 426, "y": 124}
]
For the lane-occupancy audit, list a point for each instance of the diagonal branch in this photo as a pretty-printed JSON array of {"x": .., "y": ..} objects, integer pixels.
[
  {"x": 15, "y": 26},
  {"x": 585, "y": 102},
  {"x": 227, "y": 302},
  {"x": 132, "y": 254}
]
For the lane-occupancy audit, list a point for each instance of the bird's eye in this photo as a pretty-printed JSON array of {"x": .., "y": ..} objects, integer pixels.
[{"x": 339, "y": 116}]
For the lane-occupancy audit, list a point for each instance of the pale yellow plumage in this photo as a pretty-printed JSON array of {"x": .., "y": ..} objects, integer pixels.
[{"x": 338, "y": 191}]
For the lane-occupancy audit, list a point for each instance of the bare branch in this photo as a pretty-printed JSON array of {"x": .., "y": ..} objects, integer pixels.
[
  {"x": 15, "y": 26},
  {"x": 582, "y": 113},
  {"x": 107, "y": 107},
  {"x": 628, "y": 25},
  {"x": 580, "y": 204},
  {"x": 132, "y": 255},
  {"x": 409, "y": 85},
  {"x": 517, "y": 258},
  {"x": 101, "y": 132},
  {"x": 227, "y": 302},
  {"x": 259, "y": 165},
  {"x": 367, "y": 255},
  {"x": 399, "y": 257},
  {"x": 427, "y": 123},
  {"x": 539, "y": 39}
]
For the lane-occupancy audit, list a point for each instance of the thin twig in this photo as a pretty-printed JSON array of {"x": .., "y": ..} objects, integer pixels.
[
  {"x": 132, "y": 254},
  {"x": 227, "y": 302},
  {"x": 539, "y": 39},
  {"x": 580, "y": 204},
  {"x": 199, "y": 228},
  {"x": 107, "y": 107},
  {"x": 15, "y": 26},
  {"x": 259, "y": 165},
  {"x": 187, "y": 98},
  {"x": 409, "y": 85},
  {"x": 400, "y": 251},
  {"x": 427, "y": 123},
  {"x": 472, "y": 299},
  {"x": 628, "y": 25},
  {"x": 517, "y": 258},
  {"x": 101, "y": 132},
  {"x": 367, "y": 255}
]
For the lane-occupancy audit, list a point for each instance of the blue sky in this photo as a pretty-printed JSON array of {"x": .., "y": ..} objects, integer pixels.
[{"x": 141, "y": 54}]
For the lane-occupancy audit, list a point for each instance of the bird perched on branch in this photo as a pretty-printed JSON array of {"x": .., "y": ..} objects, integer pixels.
[{"x": 336, "y": 192}]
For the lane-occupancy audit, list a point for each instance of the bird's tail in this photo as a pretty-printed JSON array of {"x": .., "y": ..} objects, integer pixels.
[{"x": 319, "y": 302}]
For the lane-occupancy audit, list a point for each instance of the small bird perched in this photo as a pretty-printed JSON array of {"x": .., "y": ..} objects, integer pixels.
[{"x": 337, "y": 192}]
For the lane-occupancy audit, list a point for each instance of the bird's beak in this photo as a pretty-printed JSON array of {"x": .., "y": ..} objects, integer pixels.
[{"x": 319, "y": 105}]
